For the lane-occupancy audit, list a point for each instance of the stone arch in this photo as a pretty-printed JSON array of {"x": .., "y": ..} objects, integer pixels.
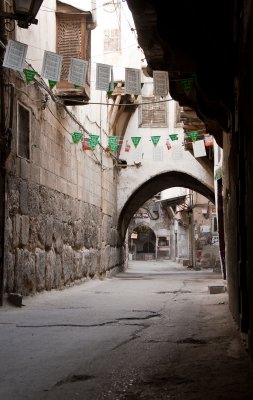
[
  {"x": 153, "y": 186},
  {"x": 146, "y": 240}
]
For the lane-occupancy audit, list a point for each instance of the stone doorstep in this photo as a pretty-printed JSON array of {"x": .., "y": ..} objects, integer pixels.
[
  {"x": 184, "y": 261},
  {"x": 216, "y": 289}
]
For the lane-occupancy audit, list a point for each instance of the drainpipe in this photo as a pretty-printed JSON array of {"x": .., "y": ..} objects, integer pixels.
[
  {"x": 156, "y": 244},
  {"x": 94, "y": 13},
  {"x": 190, "y": 216},
  {"x": 3, "y": 144}
]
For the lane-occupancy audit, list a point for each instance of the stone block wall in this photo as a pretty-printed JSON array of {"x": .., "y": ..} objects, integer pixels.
[
  {"x": 61, "y": 223},
  {"x": 53, "y": 239}
]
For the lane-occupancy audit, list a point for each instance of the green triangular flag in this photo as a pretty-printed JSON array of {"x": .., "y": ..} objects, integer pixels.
[
  {"x": 136, "y": 140},
  {"x": 193, "y": 135},
  {"x": 112, "y": 139},
  {"x": 187, "y": 84},
  {"x": 113, "y": 147},
  {"x": 51, "y": 83},
  {"x": 112, "y": 143},
  {"x": 93, "y": 141},
  {"x": 77, "y": 136},
  {"x": 174, "y": 136},
  {"x": 29, "y": 74},
  {"x": 155, "y": 139}
]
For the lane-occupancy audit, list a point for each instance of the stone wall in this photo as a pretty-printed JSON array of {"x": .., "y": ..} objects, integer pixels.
[
  {"x": 53, "y": 239},
  {"x": 60, "y": 211}
]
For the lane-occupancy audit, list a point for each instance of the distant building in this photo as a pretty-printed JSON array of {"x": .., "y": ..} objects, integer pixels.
[{"x": 177, "y": 224}]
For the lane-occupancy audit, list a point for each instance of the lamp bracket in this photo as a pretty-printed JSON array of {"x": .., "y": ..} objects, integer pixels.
[{"x": 23, "y": 20}]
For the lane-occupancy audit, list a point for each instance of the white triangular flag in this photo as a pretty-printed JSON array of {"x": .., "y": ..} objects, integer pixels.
[
  {"x": 15, "y": 55},
  {"x": 77, "y": 71},
  {"x": 137, "y": 155},
  {"x": 199, "y": 149},
  {"x": 51, "y": 67},
  {"x": 161, "y": 83},
  {"x": 132, "y": 81},
  {"x": 103, "y": 76},
  {"x": 158, "y": 153}
]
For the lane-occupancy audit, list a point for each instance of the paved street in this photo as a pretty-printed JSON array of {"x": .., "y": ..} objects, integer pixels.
[{"x": 153, "y": 332}]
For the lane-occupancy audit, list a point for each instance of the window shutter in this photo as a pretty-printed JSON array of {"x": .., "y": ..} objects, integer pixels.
[
  {"x": 73, "y": 41},
  {"x": 70, "y": 40},
  {"x": 153, "y": 114}
]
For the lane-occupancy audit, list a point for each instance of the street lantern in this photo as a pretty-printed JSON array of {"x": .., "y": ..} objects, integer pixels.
[{"x": 25, "y": 12}]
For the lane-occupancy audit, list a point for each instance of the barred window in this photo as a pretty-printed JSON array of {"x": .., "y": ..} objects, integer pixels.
[
  {"x": 112, "y": 40},
  {"x": 153, "y": 114}
]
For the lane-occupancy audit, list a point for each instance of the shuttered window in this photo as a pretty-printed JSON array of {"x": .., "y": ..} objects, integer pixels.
[
  {"x": 153, "y": 114},
  {"x": 73, "y": 40},
  {"x": 112, "y": 40}
]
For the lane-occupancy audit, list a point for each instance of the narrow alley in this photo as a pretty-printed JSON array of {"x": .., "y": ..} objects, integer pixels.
[{"x": 153, "y": 332}]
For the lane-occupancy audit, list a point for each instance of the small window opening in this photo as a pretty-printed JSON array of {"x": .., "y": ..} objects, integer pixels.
[{"x": 23, "y": 132}]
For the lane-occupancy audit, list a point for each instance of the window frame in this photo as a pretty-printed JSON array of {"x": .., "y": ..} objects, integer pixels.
[
  {"x": 142, "y": 124},
  {"x": 68, "y": 12},
  {"x": 20, "y": 104}
]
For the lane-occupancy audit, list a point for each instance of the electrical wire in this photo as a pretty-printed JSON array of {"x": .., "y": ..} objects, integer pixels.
[
  {"x": 93, "y": 9},
  {"x": 123, "y": 104},
  {"x": 43, "y": 85}
]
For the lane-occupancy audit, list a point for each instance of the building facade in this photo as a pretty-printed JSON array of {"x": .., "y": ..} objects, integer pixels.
[{"x": 64, "y": 199}]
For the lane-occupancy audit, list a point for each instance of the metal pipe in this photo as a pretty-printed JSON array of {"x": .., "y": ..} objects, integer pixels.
[
  {"x": 2, "y": 158},
  {"x": 94, "y": 13}
]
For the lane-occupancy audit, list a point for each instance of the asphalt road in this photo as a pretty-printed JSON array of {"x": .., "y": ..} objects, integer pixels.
[{"x": 154, "y": 332}]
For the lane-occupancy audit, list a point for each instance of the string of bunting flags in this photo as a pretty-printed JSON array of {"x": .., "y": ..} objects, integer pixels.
[
  {"x": 90, "y": 143},
  {"x": 15, "y": 58}
]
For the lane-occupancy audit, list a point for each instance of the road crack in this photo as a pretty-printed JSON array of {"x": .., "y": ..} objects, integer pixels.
[{"x": 113, "y": 322}]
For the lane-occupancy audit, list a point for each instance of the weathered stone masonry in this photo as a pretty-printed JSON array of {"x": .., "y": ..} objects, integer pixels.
[
  {"x": 53, "y": 239},
  {"x": 61, "y": 219}
]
